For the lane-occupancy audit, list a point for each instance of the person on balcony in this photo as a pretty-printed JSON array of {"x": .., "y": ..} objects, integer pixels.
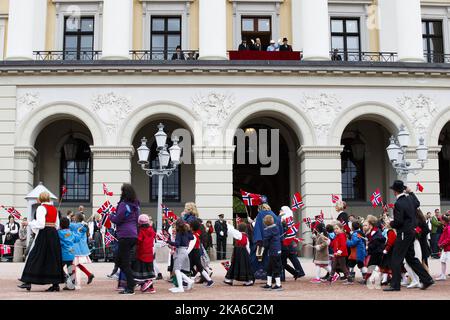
[
  {"x": 273, "y": 46},
  {"x": 256, "y": 46},
  {"x": 178, "y": 55},
  {"x": 336, "y": 56},
  {"x": 285, "y": 46},
  {"x": 244, "y": 46}
]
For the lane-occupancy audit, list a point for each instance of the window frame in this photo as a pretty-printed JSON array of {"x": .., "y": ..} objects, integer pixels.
[
  {"x": 344, "y": 34},
  {"x": 165, "y": 33},
  {"x": 79, "y": 34},
  {"x": 359, "y": 165},
  {"x": 428, "y": 37}
]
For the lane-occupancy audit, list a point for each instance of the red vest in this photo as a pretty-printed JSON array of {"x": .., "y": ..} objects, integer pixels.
[
  {"x": 52, "y": 213},
  {"x": 243, "y": 241}
]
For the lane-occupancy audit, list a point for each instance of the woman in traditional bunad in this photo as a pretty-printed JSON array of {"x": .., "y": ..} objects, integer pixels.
[{"x": 44, "y": 262}]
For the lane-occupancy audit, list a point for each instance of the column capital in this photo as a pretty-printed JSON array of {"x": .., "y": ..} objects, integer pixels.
[
  {"x": 319, "y": 152},
  {"x": 433, "y": 152},
  {"x": 126, "y": 152},
  {"x": 25, "y": 152}
]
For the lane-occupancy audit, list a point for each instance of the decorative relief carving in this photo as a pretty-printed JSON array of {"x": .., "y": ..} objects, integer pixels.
[
  {"x": 322, "y": 109},
  {"x": 111, "y": 110},
  {"x": 212, "y": 109},
  {"x": 26, "y": 103},
  {"x": 420, "y": 111}
]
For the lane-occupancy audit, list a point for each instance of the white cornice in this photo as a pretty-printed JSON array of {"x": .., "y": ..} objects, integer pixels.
[{"x": 76, "y": 1}]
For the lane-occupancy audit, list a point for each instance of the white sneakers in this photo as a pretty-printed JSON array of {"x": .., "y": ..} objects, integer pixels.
[
  {"x": 442, "y": 277},
  {"x": 176, "y": 290},
  {"x": 413, "y": 285}
]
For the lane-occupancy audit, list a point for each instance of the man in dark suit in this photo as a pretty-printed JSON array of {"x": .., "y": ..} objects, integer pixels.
[
  {"x": 405, "y": 223},
  {"x": 244, "y": 46},
  {"x": 221, "y": 232},
  {"x": 178, "y": 55},
  {"x": 285, "y": 46}
]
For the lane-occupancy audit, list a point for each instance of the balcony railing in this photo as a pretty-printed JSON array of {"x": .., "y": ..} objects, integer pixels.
[
  {"x": 354, "y": 56},
  {"x": 146, "y": 55},
  {"x": 435, "y": 57},
  {"x": 67, "y": 55}
]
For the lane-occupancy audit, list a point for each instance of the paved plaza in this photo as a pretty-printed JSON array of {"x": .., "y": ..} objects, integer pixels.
[{"x": 104, "y": 289}]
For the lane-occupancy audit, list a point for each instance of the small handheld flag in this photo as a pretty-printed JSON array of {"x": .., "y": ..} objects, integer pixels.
[
  {"x": 307, "y": 221},
  {"x": 168, "y": 214},
  {"x": 5, "y": 249},
  {"x": 109, "y": 238},
  {"x": 251, "y": 199},
  {"x": 320, "y": 218},
  {"x": 334, "y": 198},
  {"x": 419, "y": 187},
  {"x": 376, "y": 198},
  {"x": 105, "y": 210},
  {"x": 63, "y": 191},
  {"x": 226, "y": 264},
  {"x": 13, "y": 212},
  {"x": 297, "y": 202}
]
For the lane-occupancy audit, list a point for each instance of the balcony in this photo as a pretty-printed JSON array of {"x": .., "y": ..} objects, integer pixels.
[{"x": 361, "y": 56}]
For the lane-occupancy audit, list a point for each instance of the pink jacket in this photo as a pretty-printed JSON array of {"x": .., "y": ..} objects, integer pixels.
[{"x": 444, "y": 240}]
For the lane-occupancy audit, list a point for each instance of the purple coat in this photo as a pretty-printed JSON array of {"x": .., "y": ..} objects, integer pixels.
[{"x": 126, "y": 219}]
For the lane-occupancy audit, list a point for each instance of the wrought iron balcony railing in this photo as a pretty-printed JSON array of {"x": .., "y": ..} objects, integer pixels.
[
  {"x": 354, "y": 56},
  {"x": 436, "y": 57},
  {"x": 146, "y": 55},
  {"x": 67, "y": 55}
]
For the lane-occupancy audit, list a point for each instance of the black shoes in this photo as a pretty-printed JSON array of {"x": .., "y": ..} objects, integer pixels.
[
  {"x": 127, "y": 292},
  {"x": 390, "y": 289},
  {"x": 425, "y": 286},
  {"x": 159, "y": 277},
  {"x": 90, "y": 278},
  {"x": 26, "y": 286},
  {"x": 53, "y": 288}
]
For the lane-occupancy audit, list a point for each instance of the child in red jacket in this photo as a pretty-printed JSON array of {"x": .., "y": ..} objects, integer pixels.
[
  {"x": 143, "y": 270},
  {"x": 339, "y": 245},
  {"x": 444, "y": 244}
]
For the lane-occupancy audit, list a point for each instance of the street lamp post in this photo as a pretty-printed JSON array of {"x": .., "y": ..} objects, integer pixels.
[
  {"x": 397, "y": 154},
  {"x": 168, "y": 162}
]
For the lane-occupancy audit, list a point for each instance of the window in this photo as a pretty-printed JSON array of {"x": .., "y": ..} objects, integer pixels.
[
  {"x": 433, "y": 43},
  {"x": 346, "y": 37},
  {"x": 78, "y": 38},
  {"x": 257, "y": 27},
  {"x": 171, "y": 185},
  {"x": 165, "y": 37},
  {"x": 76, "y": 174},
  {"x": 353, "y": 173},
  {"x": 444, "y": 165}
]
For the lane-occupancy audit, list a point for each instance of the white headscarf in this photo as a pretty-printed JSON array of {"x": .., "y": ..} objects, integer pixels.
[{"x": 286, "y": 212}]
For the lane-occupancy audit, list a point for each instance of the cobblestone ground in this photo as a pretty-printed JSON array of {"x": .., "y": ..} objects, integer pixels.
[{"x": 302, "y": 289}]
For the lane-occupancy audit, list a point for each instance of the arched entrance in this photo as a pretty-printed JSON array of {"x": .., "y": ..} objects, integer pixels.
[
  {"x": 276, "y": 176},
  {"x": 64, "y": 158},
  {"x": 444, "y": 167},
  {"x": 365, "y": 165}
]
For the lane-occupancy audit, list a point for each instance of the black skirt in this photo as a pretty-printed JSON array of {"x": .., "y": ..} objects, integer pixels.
[
  {"x": 44, "y": 262},
  {"x": 143, "y": 271},
  {"x": 240, "y": 269},
  {"x": 98, "y": 253},
  {"x": 386, "y": 260}
]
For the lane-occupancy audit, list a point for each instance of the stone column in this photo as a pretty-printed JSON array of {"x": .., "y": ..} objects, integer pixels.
[
  {"x": 428, "y": 177},
  {"x": 23, "y": 183},
  {"x": 40, "y": 25},
  {"x": 314, "y": 24},
  {"x": 297, "y": 43},
  {"x": 21, "y": 29},
  {"x": 117, "y": 29},
  {"x": 213, "y": 30},
  {"x": 387, "y": 24},
  {"x": 320, "y": 178},
  {"x": 111, "y": 165},
  {"x": 214, "y": 181},
  {"x": 409, "y": 31}
]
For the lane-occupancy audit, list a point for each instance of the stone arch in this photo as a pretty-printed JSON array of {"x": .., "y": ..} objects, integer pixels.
[
  {"x": 39, "y": 118},
  {"x": 437, "y": 125},
  {"x": 139, "y": 117},
  {"x": 276, "y": 108},
  {"x": 383, "y": 114}
]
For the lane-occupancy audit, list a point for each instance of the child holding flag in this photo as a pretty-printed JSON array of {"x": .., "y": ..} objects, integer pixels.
[
  {"x": 67, "y": 239},
  {"x": 240, "y": 268},
  {"x": 321, "y": 254}
]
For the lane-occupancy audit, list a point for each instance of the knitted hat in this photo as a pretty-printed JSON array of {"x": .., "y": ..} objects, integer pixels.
[{"x": 143, "y": 219}]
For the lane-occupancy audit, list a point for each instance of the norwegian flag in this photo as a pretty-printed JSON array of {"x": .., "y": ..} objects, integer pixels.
[
  {"x": 13, "y": 212},
  {"x": 251, "y": 199},
  {"x": 335, "y": 198},
  {"x": 307, "y": 221},
  {"x": 297, "y": 202},
  {"x": 168, "y": 214},
  {"x": 5, "y": 249},
  {"x": 289, "y": 221},
  {"x": 239, "y": 220},
  {"x": 419, "y": 187},
  {"x": 105, "y": 210},
  {"x": 387, "y": 206},
  {"x": 162, "y": 237},
  {"x": 106, "y": 192},
  {"x": 292, "y": 231},
  {"x": 63, "y": 191},
  {"x": 319, "y": 218},
  {"x": 226, "y": 264},
  {"x": 376, "y": 198},
  {"x": 109, "y": 238}
]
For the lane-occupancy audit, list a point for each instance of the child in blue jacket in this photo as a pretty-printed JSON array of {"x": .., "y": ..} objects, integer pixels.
[
  {"x": 272, "y": 244},
  {"x": 67, "y": 239},
  {"x": 357, "y": 245},
  {"x": 81, "y": 249}
]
